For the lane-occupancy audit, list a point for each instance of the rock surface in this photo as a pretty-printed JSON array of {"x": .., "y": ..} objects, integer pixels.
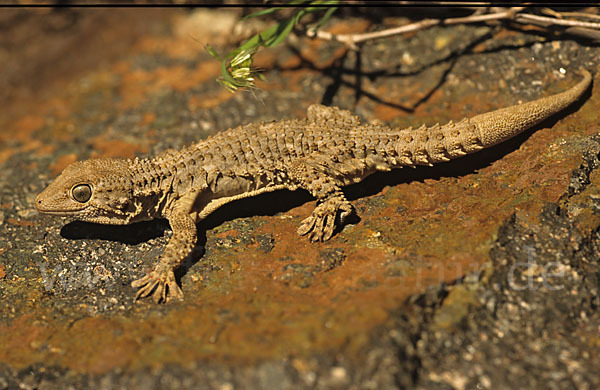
[{"x": 478, "y": 273}]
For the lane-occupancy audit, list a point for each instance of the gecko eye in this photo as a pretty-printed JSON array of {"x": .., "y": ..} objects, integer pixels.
[{"x": 82, "y": 193}]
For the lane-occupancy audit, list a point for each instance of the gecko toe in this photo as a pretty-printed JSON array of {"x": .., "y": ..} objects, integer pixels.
[
  {"x": 317, "y": 233},
  {"x": 146, "y": 285},
  {"x": 175, "y": 291},
  {"x": 168, "y": 289},
  {"x": 328, "y": 228},
  {"x": 159, "y": 284},
  {"x": 306, "y": 225},
  {"x": 159, "y": 295},
  {"x": 321, "y": 224},
  {"x": 346, "y": 210},
  {"x": 141, "y": 281}
]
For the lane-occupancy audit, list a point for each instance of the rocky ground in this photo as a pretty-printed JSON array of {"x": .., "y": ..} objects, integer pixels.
[{"x": 478, "y": 273}]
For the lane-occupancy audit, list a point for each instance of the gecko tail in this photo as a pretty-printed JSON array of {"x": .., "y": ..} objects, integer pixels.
[{"x": 500, "y": 125}]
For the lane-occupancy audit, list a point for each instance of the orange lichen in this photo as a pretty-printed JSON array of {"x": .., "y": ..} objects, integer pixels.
[
  {"x": 104, "y": 147},
  {"x": 137, "y": 85},
  {"x": 62, "y": 162},
  {"x": 209, "y": 100}
]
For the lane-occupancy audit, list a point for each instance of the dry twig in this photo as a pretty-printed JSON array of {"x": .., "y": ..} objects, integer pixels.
[
  {"x": 524, "y": 18},
  {"x": 513, "y": 13},
  {"x": 561, "y": 15}
]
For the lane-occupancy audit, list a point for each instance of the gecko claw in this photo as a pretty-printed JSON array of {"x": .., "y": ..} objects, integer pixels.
[
  {"x": 160, "y": 285},
  {"x": 321, "y": 224}
]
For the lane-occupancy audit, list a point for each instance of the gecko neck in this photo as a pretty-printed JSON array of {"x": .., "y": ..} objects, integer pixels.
[{"x": 151, "y": 187}]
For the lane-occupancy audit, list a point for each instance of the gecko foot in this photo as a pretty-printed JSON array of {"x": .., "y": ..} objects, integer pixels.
[
  {"x": 160, "y": 284},
  {"x": 322, "y": 222}
]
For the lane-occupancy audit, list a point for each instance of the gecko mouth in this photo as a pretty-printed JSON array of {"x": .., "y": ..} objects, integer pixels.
[
  {"x": 44, "y": 209},
  {"x": 58, "y": 212}
]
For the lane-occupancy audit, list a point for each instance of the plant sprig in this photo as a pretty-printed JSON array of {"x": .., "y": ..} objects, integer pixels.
[{"x": 236, "y": 67}]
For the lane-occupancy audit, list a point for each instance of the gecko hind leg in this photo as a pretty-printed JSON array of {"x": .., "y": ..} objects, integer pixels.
[{"x": 332, "y": 206}]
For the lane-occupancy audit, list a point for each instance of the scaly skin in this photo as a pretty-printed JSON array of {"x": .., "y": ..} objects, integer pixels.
[{"x": 327, "y": 150}]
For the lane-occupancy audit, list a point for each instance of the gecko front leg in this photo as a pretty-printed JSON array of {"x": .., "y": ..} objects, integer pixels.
[{"x": 160, "y": 282}]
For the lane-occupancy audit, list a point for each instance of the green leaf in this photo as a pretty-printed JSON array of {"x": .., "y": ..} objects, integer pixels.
[
  {"x": 256, "y": 40},
  {"x": 236, "y": 68},
  {"x": 325, "y": 18},
  {"x": 283, "y": 30},
  {"x": 225, "y": 73},
  {"x": 325, "y": 3},
  {"x": 274, "y": 9},
  {"x": 262, "y": 12}
]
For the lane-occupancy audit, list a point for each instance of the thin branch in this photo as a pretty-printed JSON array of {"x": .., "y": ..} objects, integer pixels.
[
  {"x": 561, "y": 15},
  {"x": 508, "y": 14},
  {"x": 351, "y": 40},
  {"x": 513, "y": 13},
  {"x": 555, "y": 21}
]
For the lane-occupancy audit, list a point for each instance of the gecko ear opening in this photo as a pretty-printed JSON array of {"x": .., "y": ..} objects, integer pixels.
[{"x": 81, "y": 193}]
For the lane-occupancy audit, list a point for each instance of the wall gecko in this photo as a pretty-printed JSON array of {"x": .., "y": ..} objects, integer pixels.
[{"x": 328, "y": 149}]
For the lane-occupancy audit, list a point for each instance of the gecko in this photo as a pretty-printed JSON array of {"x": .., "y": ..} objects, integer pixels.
[{"x": 321, "y": 153}]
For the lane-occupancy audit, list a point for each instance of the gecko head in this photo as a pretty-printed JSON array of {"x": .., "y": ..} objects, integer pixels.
[{"x": 97, "y": 190}]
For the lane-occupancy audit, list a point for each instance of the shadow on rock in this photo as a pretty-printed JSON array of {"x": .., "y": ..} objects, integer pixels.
[{"x": 127, "y": 234}]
